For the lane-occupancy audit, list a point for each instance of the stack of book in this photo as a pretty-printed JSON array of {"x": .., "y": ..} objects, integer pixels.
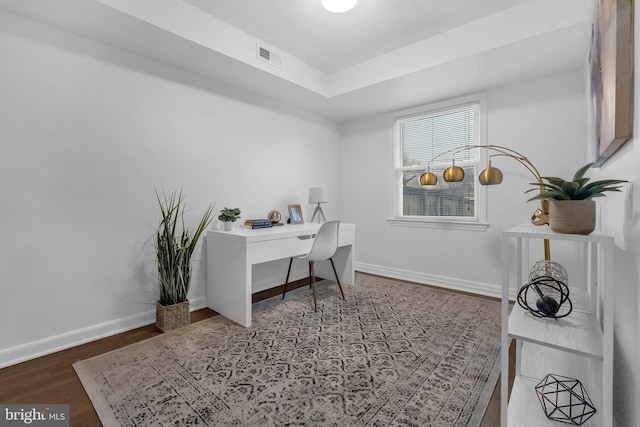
[{"x": 258, "y": 223}]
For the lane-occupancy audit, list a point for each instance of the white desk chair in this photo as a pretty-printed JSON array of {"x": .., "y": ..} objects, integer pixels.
[{"x": 323, "y": 248}]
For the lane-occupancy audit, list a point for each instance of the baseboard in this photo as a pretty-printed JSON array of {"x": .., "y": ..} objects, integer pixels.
[
  {"x": 486, "y": 289},
  {"x": 31, "y": 350},
  {"x": 34, "y": 349}
]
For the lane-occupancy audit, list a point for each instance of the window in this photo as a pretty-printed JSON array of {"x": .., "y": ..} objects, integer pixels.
[{"x": 432, "y": 137}]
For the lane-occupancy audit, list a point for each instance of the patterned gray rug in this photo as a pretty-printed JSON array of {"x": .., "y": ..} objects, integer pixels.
[{"x": 392, "y": 354}]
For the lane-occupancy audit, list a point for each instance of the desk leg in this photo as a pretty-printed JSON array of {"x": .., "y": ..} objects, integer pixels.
[{"x": 229, "y": 280}]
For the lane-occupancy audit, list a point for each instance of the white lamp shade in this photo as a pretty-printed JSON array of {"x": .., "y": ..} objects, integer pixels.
[
  {"x": 318, "y": 195},
  {"x": 339, "y": 6}
]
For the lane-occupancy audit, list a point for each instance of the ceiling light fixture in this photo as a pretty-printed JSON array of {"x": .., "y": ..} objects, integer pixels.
[{"x": 339, "y": 6}]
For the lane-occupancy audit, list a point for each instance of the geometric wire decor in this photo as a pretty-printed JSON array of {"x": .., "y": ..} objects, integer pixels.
[
  {"x": 536, "y": 297},
  {"x": 564, "y": 399},
  {"x": 547, "y": 291}
]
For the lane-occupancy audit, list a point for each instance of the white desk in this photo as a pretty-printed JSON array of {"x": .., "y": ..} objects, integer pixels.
[{"x": 231, "y": 255}]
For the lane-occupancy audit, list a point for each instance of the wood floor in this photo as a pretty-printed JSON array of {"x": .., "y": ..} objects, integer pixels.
[{"x": 51, "y": 379}]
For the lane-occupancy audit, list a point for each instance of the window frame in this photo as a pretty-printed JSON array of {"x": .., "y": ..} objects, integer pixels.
[{"x": 476, "y": 223}]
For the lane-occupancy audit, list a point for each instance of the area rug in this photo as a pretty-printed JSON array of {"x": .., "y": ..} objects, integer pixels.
[{"x": 391, "y": 354}]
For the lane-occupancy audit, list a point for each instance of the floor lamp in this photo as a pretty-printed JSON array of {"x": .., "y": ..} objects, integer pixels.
[{"x": 493, "y": 176}]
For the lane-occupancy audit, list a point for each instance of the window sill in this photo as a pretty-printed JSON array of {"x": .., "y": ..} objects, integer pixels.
[{"x": 440, "y": 224}]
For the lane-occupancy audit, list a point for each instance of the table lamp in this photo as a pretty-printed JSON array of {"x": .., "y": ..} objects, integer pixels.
[{"x": 318, "y": 195}]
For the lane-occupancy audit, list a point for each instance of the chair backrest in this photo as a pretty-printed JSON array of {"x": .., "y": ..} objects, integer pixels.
[{"x": 325, "y": 243}]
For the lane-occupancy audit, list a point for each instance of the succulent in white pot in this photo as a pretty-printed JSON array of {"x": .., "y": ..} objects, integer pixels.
[
  {"x": 228, "y": 216},
  {"x": 572, "y": 209}
]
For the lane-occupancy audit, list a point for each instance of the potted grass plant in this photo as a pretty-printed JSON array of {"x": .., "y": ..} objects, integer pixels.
[
  {"x": 174, "y": 244},
  {"x": 572, "y": 209}
]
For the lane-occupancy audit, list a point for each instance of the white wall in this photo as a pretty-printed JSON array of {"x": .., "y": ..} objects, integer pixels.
[
  {"x": 543, "y": 119},
  {"x": 621, "y": 218},
  {"x": 86, "y": 133}
]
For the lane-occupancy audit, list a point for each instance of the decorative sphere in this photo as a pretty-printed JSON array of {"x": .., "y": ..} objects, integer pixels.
[
  {"x": 428, "y": 178},
  {"x": 550, "y": 295},
  {"x": 548, "y": 268},
  {"x": 551, "y": 269},
  {"x": 274, "y": 216},
  {"x": 547, "y": 306},
  {"x": 453, "y": 174}
]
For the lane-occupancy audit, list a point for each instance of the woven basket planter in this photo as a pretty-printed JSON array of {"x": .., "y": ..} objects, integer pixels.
[
  {"x": 170, "y": 317},
  {"x": 572, "y": 216}
]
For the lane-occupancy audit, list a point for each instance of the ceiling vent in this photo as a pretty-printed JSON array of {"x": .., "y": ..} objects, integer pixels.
[{"x": 267, "y": 55}]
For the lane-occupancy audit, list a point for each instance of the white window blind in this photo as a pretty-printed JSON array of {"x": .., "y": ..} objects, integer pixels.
[{"x": 424, "y": 137}]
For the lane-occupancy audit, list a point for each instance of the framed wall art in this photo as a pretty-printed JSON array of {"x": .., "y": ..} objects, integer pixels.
[
  {"x": 611, "y": 76},
  {"x": 295, "y": 214}
]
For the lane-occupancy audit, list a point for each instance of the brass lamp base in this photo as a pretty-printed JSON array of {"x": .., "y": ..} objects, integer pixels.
[{"x": 541, "y": 215}]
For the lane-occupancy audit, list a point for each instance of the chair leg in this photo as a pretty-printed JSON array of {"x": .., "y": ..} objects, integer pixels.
[
  {"x": 337, "y": 278},
  {"x": 286, "y": 282},
  {"x": 313, "y": 285}
]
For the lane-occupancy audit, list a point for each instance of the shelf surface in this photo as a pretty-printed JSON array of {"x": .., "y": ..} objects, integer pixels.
[
  {"x": 578, "y": 333},
  {"x": 529, "y": 230},
  {"x": 537, "y": 361}
]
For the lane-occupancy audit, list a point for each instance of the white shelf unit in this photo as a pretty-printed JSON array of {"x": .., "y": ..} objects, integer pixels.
[{"x": 577, "y": 346}]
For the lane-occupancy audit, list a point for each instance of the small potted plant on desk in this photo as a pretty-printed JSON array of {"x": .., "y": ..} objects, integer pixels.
[
  {"x": 228, "y": 217},
  {"x": 571, "y": 208},
  {"x": 174, "y": 246}
]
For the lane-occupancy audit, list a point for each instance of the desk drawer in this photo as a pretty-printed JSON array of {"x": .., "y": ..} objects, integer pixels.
[{"x": 269, "y": 250}]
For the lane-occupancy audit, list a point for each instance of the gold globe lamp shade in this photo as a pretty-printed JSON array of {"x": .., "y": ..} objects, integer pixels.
[
  {"x": 490, "y": 176},
  {"x": 428, "y": 178},
  {"x": 453, "y": 173}
]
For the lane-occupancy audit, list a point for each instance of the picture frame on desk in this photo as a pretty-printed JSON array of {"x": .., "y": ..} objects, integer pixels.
[{"x": 295, "y": 214}]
